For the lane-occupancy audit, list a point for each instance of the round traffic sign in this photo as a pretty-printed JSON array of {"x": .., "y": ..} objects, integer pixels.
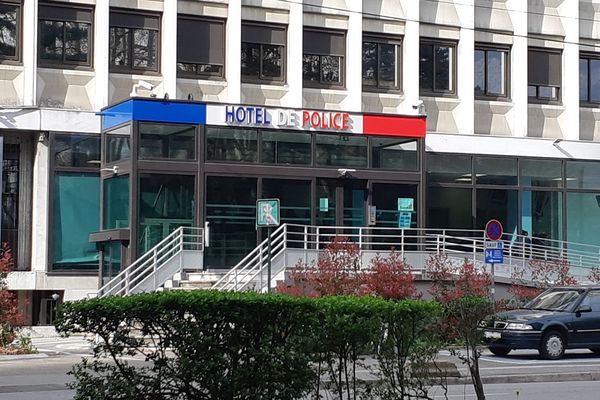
[{"x": 493, "y": 229}]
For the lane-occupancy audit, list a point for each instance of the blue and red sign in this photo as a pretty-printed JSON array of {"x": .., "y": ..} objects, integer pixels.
[{"x": 493, "y": 230}]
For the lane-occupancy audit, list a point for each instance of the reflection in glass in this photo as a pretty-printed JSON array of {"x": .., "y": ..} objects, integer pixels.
[
  {"x": 583, "y": 214},
  {"x": 499, "y": 204},
  {"x": 341, "y": 150},
  {"x": 294, "y": 199},
  {"x": 144, "y": 48},
  {"x": 542, "y": 216},
  {"x": 51, "y": 40},
  {"x": 392, "y": 153},
  {"x": 271, "y": 61},
  {"x": 115, "y": 205},
  {"x": 251, "y": 60},
  {"x": 449, "y": 168},
  {"x": 595, "y": 80},
  {"x": 443, "y": 68},
  {"x": 388, "y": 72},
  {"x": 174, "y": 142},
  {"x": 286, "y": 148},
  {"x": 426, "y": 66},
  {"x": 231, "y": 212},
  {"x": 583, "y": 175},
  {"x": 76, "y": 215},
  {"x": 111, "y": 261},
  {"x": 583, "y": 79},
  {"x": 330, "y": 69},
  {"x": 496, "y": 65},
  {"x": 166, "y": 202},
  {"x": 231, "y": 144},
  {"x": 544, "y": 173},
  {"x": 120, "y": 43},
  {"x": 449, "y": 208},
  {"x": 310, "y": 68},
  {"x": 77, "y": 151},
  {"x": 76, "y": 41},
  {"x": 369, "y": 59},
  {"x": 8, "y": 30},
  {"x": 479, "y": 72},
  {"x": 117, "y": 146},
  {"x": 496, "y": 171}
]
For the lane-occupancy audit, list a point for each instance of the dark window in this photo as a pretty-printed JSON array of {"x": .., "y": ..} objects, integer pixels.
[
  {"x": 263, "y": 52},
  {"x": 544, "y": 75},
  {"x": 206, "y": 60},
  {"x": 449, "y": 168},
  {"x": 583, "y": 175},
  {"x": 495, "y": 171},
  {"x": 65, "y": 35},
  {"x": 589, "y": 79},
  {"x": 491, "y": 72},
  {"x": 286, "y": 148},
  {"x": 394, "y": 153},
  {"x": 437, "y": 66},
  {"x": 341, "y": 150},
  {"x": 77, "y": 151},
  {"x": 10, "y": 199},
  {"x": 134, "y": 42},
  {"x": 117, "y": 144},
  {"x": 381, "y": 63},
  {"x": 172, "y": 142},
  {"x": 323, "y": 61},
  {"x": 593, "y": 300},
  {"x": 231, "y": 144},
  {"x": 10, "y": 19}
]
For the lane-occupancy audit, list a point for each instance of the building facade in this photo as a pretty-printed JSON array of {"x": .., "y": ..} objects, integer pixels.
[{"x": 510, "y": 90}]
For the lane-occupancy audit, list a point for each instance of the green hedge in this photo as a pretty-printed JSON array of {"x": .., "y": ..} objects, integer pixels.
[{"x": 223, "y": 345}]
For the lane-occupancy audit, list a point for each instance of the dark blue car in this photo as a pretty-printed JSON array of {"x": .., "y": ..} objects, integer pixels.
[{"x": 560, "y": 318}]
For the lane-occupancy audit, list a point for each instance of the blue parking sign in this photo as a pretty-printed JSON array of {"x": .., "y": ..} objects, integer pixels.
[{"x": 494, "y": 253}]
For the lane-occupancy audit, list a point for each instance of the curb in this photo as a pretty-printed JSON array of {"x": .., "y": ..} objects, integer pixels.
[
  {"x": 23, "y": 357},
  {"x": 553, "y": 377}
]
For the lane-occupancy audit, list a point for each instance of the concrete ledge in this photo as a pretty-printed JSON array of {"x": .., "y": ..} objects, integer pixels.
[{"x": 531, "y": 378}]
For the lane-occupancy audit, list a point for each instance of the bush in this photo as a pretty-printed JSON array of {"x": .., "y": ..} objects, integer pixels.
[{"x": 221, "y": 345}]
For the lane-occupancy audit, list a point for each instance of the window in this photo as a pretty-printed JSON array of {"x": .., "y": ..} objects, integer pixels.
[
  {"x": 544, "y": 75},
  {"x": 381, "y": 63},
  {"x": 231, "y": 144},
  {"x": 589, "y": 79},
  {"x": 169, "y": 142},
  {"x": 495, "y": 171},
  {"x": 543, "y": 173},
  {"x": 449, "y": 168},
  {"x": 134, "y": 42},
  {"x": 323, "y": 62},
  {"x": 77, "y": 151},
  {"x": 10, "y": 17},
  {"x": 263, "y": 52},
  {"x": 116, "y": 202},
  {"x": 394, "y": 153},
  {"x": 206, "y": 61},
  {"x": 491, "y": 72},
  {"x": 117, "y": 144},
  {"x": 593, "y": 300},
  {"x": 437, "y": 67},
  {"x": 342, "y": 150},
  {"x": 292, "y": 148},
  {"x": 65, "y": 35},
  {"x": 583, "y": 175}
]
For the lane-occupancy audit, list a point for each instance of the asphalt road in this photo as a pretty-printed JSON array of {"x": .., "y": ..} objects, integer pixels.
[{"x": 45, "y": 376}]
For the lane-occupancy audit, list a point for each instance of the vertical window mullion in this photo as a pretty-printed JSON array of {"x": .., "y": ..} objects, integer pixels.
[
  {"x": 378, "y": 57},
  {"x": 433, "y": 59}
]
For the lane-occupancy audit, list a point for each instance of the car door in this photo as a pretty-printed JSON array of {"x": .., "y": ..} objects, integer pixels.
[{"x": 586, "y": 325}]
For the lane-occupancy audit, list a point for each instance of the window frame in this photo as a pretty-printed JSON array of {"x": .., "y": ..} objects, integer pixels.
[
  {"x": 589, "y": 57},
  {"x": 117, "y": 69},
  {"x": 320, "y": 84},
  {"x": 379, "y": 40},
  {"x": 436, "y": 42},
  {"x": 66, "y": 64},
  {"x": 17, "y": 58},
  {"x": 205, "y": 75},
  {"x": 283, "y": 49},
  {"x": 486, "y": 47},
  {"x": 545, "y": 100}
]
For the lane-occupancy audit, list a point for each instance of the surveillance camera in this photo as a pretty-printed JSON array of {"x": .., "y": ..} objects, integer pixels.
[
  {"x": 145, "y": 85},
  {"x": 418, "y": 104}
]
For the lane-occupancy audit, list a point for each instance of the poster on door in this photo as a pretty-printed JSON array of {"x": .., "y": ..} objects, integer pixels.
[{"x": 404, "y": 220}]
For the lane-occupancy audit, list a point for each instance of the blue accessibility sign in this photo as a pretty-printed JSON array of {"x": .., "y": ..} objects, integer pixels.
[{"x": 494, "y": 253}]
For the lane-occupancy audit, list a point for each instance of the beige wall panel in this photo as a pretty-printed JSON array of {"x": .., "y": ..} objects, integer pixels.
[
  {"x": 493, "y": 15},
  {"x": 492, "y": 118},
  {"x": 544, "y": 18},
  {"x": 263, "y": 95},
  {"x": 589, "y": 24},
  {"x": 383, "y": 26},
  {"x": 440, "y": 114},
  {"x": 386, "y": 8},
  {"x": 11, "y": 84},
  {"x": 442, "y": 12},
  {"x": 211, "y": 91},
  {"x": 589, "y": 124},
  {"x": 120, "y": 85},
  {"x": 326, "y": 21},
  {"x": 265, "y": 15},
  {"x": 70, "y": 89},
  {"x": 543, "y": 121},
  {"x": 323, "y": 99},
  {"x": 150, "y": 5},
  {"x": 212, "y": 9},
  {"x": 381, "y": 102}
]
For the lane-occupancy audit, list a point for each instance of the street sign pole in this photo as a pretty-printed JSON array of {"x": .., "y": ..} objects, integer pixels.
[
  {"x": 494, "y": 251},
  {"x": 493, "y": 283},
  {"x": 269, "y": 260},
  {"x": 267, "y": 216}
]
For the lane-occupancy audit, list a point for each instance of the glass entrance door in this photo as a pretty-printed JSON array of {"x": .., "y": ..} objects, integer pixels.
[{"x": 341, "y": 202}]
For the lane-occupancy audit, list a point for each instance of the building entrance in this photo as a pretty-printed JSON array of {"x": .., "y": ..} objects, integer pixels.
[{"x": 341, "y": 202}]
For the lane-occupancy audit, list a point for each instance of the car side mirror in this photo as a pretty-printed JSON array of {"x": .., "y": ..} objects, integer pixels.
[{"x": 584, "y": 309}]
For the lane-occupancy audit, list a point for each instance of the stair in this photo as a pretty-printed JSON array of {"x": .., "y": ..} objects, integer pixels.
[{"x": 195, "y": 280}]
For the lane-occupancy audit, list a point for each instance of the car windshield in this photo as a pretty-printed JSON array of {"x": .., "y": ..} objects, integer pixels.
[{"x": 556, "y": 300}]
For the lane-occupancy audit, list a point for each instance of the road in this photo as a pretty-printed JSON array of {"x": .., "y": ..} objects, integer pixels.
[{"x": 45, "y": 377}]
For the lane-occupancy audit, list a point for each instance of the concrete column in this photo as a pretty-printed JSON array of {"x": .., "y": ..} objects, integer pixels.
[
  {"x": 101, "y": 52},
  {"x": 39, "y": 218},
  {"x": 465, "y": 113},
  {"x": 410, "y": 59},
  {"x": 29, "y": 46},
  {"x": 234, "y": 49},
  {"x": 569, "y": 12},
  {"x": 518, "y": 67},
  {"x": 293, "y": 97},
  {"x": 353, "y": 101},
  {"x": 169, "y": 48}
]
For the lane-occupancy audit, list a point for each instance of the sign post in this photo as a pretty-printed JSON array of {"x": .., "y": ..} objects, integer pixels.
[
  {"x": 267, "y": 216},
  {"x": 493, "y": 249}
]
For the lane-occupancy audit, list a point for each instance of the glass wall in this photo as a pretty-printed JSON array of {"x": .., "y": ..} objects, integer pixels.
[
  {"x": 231, "y": 212},
  {"x": 294, "y": 199},
  {"x": 342, "y": 151},
  {"x": 499, "y": 204},
  {"x": 292, "y": 148},
  {"x": 118, "y": 144},
  {"x": 228, "y": 144},
  {"x": 116, "y": 202},
  {"x": 449, "y": 207},
  {"x": 326, "y": 202},
  {"x": 542, "y": 214},
  {"x": 166, "y": 202},
  {"x": 394, "y": 153},
  {"x": 391, "y": 201},
  {"x": 76, "y": 215},
  {"x": 583, "y": 217},
  {"x": 168, "y": 142}
]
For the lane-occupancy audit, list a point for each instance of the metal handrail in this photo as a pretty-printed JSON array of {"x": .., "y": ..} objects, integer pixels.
[{"x": 150, "y": 263}]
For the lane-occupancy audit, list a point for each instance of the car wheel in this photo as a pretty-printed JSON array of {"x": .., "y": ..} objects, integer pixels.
[
  {"x": 552, "y": 346},
  {"x": 499, "y": 351}
]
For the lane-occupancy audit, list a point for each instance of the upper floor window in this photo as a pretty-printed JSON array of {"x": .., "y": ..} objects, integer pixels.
[
  {"x": 206, "y": 61},
  {"x": 381, "y": 63},
  {"x": 134, "y": 41},
  {"x": 263, "y": 52},
  {"x": 10, "y": 19},
  {"x": 589, "y": 79},
  {"x": 65, "y": 35},
  {"x": 491, "y": 72},
  {"x": 324, "y": 53},
  {"x": 437, "y": 67},
  {"x": 544, "y": 75}
]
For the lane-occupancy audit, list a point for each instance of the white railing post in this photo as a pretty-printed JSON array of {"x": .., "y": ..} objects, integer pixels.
[
  {"x": 402, "y": 243},
  {"x": 260, "y": 269},
  {"x": 235, "y": 280},
  {"x": 360, "y": 239},
  {"x": 127, "y": 281},
  {"x": 318, "y": 237},
  {"x": 444, "y": 241},
  {"x": 474, "y": 252},
  {"x": 437, "y": 244},
  {"x": 154, "y": 258},
  {"x": 305, "y": 237}
]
